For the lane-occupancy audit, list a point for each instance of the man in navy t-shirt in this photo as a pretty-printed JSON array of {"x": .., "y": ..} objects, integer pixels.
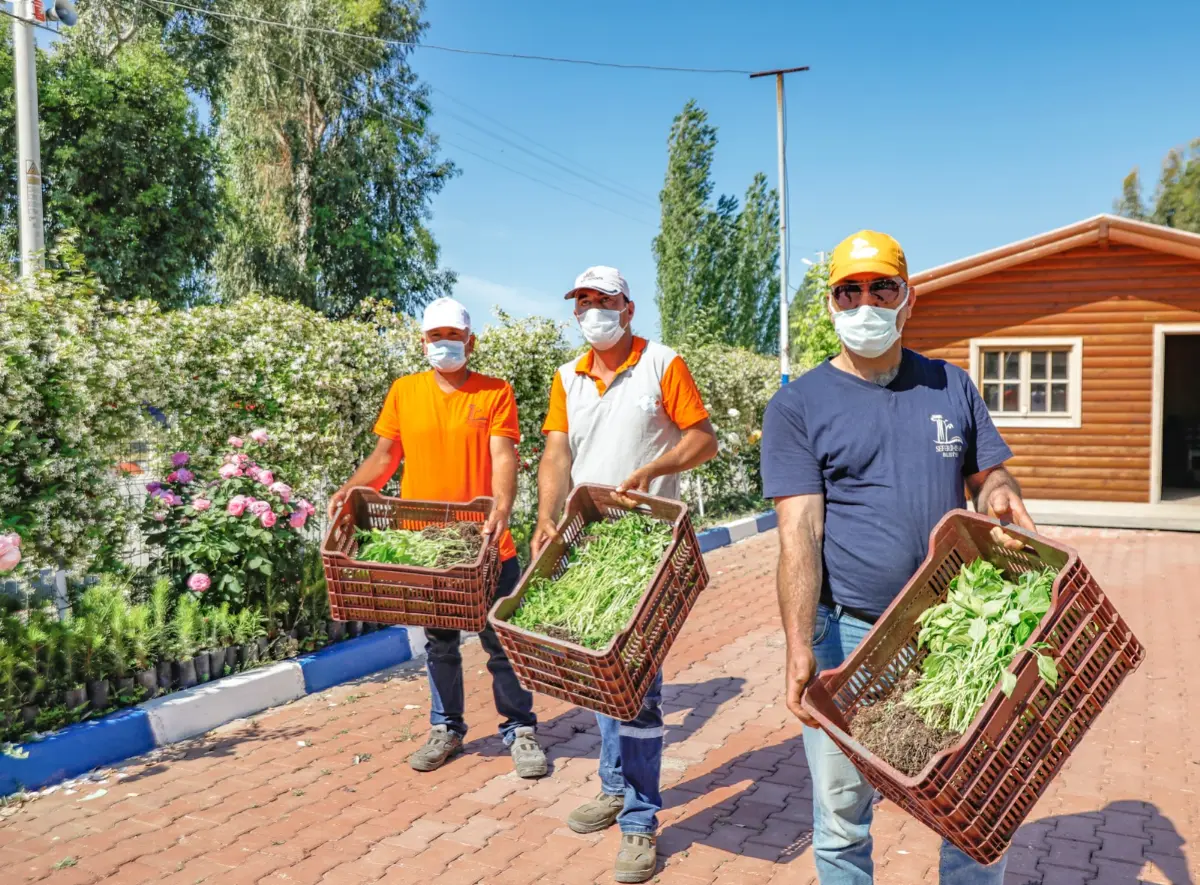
[{"x": 862, "y": 456}]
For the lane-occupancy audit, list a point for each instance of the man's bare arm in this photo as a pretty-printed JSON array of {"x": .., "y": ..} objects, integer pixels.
[
  {"x": 375, "y": 471},
  {"x": 798, "y": 584},
  {"x": 554, "y": 482}
]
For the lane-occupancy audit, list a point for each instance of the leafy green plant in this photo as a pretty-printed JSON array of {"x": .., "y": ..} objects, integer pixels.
[
  {"x": 248, "y": 626},
  {"x": 606, "y": 575},
  {"x": 186, "y": 628},
  {"x": 433, "y": 547},
  {"x": 972, "y": 639},
  {"x": 160, "y": 619}
]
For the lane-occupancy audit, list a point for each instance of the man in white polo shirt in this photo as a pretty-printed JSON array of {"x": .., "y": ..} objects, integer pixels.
[{"x": 626, "y": 414}]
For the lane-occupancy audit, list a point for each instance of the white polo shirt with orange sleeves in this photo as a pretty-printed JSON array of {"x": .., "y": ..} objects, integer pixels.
[{"x": 616, "y": 429}]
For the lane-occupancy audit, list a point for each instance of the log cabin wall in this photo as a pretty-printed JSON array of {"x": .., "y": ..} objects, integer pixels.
[{"x": 1111, "y": 295}]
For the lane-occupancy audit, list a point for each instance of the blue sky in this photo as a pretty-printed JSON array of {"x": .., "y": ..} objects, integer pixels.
[{"x": 955, "y": 127}]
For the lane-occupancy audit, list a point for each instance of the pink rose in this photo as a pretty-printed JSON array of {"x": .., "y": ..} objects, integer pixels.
[
  {"x": 173, "y": 476},
  {"x": 160, "y": 517},
  {"x": 202, "y": 504},
  {"x": 260, "y": 436},
  {"x": 235, "y": 507},
  {"x": 10, "y": 551},
  {"x": 254, "y": 472},
  {"x": 267, "y": 519},
  {"x": 236, "y": 441},
  {"x": 242, "y": 459},
  {"x": 307, "y": 508},
  {"x": 180, "y": 458},
  {"x": 260, "y": 508},
  {"x": 229, "y": 471},
  {"x": 283, "y": 490},
  {"x": 199, "y": 582},
  {"x": 184, "y": 475},
  {"x": 266, "y": 477},
  {"x": 297, "y": 519},
  {"x": 173, "y": 500}
]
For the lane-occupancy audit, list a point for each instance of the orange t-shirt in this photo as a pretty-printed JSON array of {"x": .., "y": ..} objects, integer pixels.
[{"x": 445, "y": 438}]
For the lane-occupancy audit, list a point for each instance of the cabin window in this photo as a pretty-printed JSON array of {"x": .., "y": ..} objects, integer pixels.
[{"x": 1029, "y": 382}]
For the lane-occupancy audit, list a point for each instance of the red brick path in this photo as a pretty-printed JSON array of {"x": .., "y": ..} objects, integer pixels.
[{"x": 250, "y": 804}]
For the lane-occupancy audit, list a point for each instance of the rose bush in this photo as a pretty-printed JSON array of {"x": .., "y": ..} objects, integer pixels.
[{"x": 225, "y": 539}]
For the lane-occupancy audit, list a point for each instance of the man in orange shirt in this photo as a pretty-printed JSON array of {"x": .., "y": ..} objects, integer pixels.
[
  {"x": 626, "y": 414},
  {"x": 456, "y": 432}
]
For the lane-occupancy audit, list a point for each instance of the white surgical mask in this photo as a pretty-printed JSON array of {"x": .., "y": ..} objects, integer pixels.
[
  {"x": 601, "y": 328},
  {"x": 867, "y": 330},
  {"x": 446, "y": 356}
]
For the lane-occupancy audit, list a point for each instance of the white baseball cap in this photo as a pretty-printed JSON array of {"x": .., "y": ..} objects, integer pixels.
[
  {"x": 443, "y": 312},
  {"x": 602, "y": 279}
]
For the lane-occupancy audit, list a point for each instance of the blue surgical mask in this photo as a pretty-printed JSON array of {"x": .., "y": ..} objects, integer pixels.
[
  {"x": 867, "y": 330},
  {"x": 446, "y": 356}
]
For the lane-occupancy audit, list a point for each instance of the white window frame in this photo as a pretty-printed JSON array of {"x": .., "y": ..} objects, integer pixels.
[{"x": 1073, "y": 417}]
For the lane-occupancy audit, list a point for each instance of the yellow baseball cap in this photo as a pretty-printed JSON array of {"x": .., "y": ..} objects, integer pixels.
[{"x": 867, "y": 251}]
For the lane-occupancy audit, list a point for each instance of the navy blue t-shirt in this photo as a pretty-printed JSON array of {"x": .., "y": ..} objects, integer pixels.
[{"x": 890, "y": 462}]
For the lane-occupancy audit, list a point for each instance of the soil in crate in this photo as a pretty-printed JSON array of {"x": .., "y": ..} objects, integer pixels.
[
  {"x": 435, "y": 546},
  {"x": 897, "y": 734}
]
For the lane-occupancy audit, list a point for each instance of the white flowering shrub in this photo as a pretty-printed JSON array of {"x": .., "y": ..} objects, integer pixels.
[
  {"x": 736, "y": 385},
  {"x": 70, "y": 370}
]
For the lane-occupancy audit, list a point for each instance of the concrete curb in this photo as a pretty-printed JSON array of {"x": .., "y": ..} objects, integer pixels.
[
  {"x": 738, "y": 530},
  {"x": 78, "y": 749}
]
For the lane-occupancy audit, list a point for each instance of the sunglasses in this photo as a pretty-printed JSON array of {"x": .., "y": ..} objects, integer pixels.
[{"x": 886, "y": 293}]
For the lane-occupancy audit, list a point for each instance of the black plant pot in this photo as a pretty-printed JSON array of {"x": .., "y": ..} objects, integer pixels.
[
  {"x": 29, "y": 715},
  {"x": 124, "y": 688},
  {"x": 231, "y": 658},
  {"x": 353, "y": 629},
  {"x": 248, "y": 655},
  {"x": 264, "y": 646},
  {"x": 369, "y": 627},
  {"x": 185, "y": 673},
  {"x": 147, "y": 681},
  {"x": 299, "y": 632},
  {"x": 165, "y": 680},
  {"x": 97, "y": 692},
  {"x": 74, "y": 698},
  {"x": 203, "y": 674},
  {"x": 336, "y": 630},
  {"x": 216, "y": 663}
]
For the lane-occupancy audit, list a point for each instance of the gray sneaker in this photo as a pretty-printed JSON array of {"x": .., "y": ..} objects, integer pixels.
[
  {"x": 598, "y": 814},
  {"x": 637, "y": 858},
  {"x": 443, "y": 744},
  {"x": 527, "y": 756}
]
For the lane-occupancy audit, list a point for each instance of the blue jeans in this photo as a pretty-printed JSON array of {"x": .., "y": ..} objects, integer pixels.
[
  {"x": 631, "y": 762},
  {"x": 842, "y": 798},
  {"x": 444, "y": 662}
]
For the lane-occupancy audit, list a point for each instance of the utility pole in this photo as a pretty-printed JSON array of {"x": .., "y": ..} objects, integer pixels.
[
  {"x": 29, "y": 153},
  {"x": 784, "y": 365}
]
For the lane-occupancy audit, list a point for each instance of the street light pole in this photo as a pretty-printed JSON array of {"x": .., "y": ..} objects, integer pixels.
[
  {"x": 784, "y": 366},
  {"x": 29, "y": 159}
]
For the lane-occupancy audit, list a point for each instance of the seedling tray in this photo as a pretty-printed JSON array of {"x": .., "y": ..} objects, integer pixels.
[
  {"x": 977, "y": 792},
  {"x": 455, "y": 598},
  {"x": 613, "y": 680}
]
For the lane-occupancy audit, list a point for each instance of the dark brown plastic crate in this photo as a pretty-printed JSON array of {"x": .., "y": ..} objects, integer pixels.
[
  {"x": 977, "y": 792},
  {"x": 613, "y": 680},
  {"x": 456, "y": 598}
]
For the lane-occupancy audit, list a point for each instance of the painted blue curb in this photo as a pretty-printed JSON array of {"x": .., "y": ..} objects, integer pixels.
[
  {"x": 714, "y": 538},
  {"x": 77, "y": 749},
  {"x": 354, "y": 659},
  {"x": 730, "y": 533}
]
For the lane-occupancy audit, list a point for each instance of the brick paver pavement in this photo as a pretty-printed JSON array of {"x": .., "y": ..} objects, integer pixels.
[{"x": 318, "y": 791}]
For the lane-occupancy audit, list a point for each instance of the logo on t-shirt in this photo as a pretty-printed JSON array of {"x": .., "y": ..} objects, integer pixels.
[
  {"x": 476, "y": 417},
  {"x": 949, "y": 446},
  {"x": 648, "y": 403}
]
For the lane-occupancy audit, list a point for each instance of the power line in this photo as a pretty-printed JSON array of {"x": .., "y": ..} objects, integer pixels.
[
  {"x": 333, "y": 32},
  {"x": 413, "y": 127}
]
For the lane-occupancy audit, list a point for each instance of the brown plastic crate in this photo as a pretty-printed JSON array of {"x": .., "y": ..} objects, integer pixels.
[
  {"x": 613, "y": 680},
  {"x": 977, "y": 792},
  {"x": 456, "y": 598}
]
